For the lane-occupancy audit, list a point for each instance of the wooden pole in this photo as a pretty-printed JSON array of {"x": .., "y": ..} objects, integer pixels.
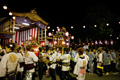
[
  {"x": 45, "y": 35},
  {"x": 38, "y": 34},
  {"x": 13, "y": 36}
]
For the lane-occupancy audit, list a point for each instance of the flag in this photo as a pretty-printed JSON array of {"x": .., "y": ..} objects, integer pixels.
[{"x": 25, "y": 35}]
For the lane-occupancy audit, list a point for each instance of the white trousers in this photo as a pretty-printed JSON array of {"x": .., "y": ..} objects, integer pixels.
[
  {"x": 81, "y": 76},
  {"x": 28, "y": 76}
]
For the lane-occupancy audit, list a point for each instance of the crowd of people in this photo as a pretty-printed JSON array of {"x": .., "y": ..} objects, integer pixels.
[{"x": 18, "y": 63}]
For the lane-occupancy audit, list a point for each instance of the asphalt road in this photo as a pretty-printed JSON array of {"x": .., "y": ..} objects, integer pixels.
[{"x": 111, "y": 76}]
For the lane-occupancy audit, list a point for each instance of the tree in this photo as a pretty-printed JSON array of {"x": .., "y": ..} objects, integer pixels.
[{"x": 99, "y": 15}]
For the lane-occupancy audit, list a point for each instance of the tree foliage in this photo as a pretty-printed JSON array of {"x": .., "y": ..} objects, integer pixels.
[{"x": 99, "y": 15}]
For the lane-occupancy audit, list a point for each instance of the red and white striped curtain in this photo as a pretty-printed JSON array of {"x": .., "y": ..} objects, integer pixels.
[{"x": 25, "y": 35}]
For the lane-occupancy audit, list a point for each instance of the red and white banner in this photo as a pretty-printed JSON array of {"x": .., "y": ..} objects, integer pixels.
[{"x": 25, "y": 35}]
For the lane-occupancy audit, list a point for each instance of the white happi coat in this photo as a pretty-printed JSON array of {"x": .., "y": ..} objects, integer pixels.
[
  {"x": 53, "y": 59},
  {"x": 8, "y": 63},
  {"x": 77, "y": 69},
  {"x": 65, "y": 59},
  {"x": 77, "y": 57},
  {"x": 20, "y": 60},
  {"x": 31, "y": 59}
]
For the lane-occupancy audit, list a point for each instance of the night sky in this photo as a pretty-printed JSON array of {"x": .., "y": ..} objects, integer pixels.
[{"x": 60, "y": 13}]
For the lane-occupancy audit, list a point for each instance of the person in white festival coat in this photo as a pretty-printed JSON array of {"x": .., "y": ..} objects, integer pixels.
[
  {"x": 81, "y": 64},
  {"x": 9, "y": 61},
  {"x": 65, "y": 58},
  {"x": 19, "y": 52},
  {"x": 30, "y": 59}
]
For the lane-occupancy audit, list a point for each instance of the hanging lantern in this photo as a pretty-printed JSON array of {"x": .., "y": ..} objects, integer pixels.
[
  {"x": 105, "y": 41},
  {"x": 49, "y": 34},
  {"x": 63, "y": 42},
  {"x": 71, "y": 27},
  {"x": 30, "y": 37},
  {"x": 96, "y": 42},
  {"x": 14, "y": 17},
  {"x": 100, "y": 42},
  {"x": 5, "y": 7},
  {"x": 67, "y": 44},
  {"x": 22, "y": 43},
  {"x": 10, "y": 13},
  {"x": 67, "y": 34},
  {"x": 55, "y": 42},
  {"x": 72, "y": 37},
  {"x": 111, "y": 42},
  {"x": 58, "y": 29}
]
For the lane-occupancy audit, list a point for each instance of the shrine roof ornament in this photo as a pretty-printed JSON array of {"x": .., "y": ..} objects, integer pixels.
[{"x": 32, "y": 16}]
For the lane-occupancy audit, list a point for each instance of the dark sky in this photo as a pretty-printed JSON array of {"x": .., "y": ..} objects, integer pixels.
[{"x": 58, "y": 12}]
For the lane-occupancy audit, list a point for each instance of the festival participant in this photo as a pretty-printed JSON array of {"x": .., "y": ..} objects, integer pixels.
[
  {"x": 73, "y": 53},
  {"x": 52, "y": 60},
  {"x": 107, "y": 58},
  {"x": 9, "y": 62},
  {"x": 99, "y": 63},
  {"x": 41, "y": 64},
  {"x": 30, "y": 59},
  {"x": 65, "y": 64},
  {"x": 1, "y": 55},
  {"x": 80, "y": 67},
  {"x": 19, "y": 52},
  {"x": 58, "y": 62},
  {"x": 95, "y": 61},
  {"x": 91, "y": 63},
  {"x": 113, "y": 63}
]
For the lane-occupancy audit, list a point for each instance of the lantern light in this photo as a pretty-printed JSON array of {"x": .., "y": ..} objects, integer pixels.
[
  {"x": 111, "y": 42},
  {"x": 55, "y": 42},
  {"x": 48, "y": 27},
  {"x": 72, "y": 37},
  {"x": 71, "y": 27},
  {"x": 14, "y": 17},
  {"x": 67, "y": 44},
  {"x": 58, "y": 29},
  {"x": 95, "y": 25},
  {"x": 49, "y": 34},
  {"x": 96, "y": 42},
  {"x": 83, "y": 26},
  {"x": 22, "y": 43},
  {"x": 10, "y": 13},
  {"x": 107, "y": 24},
  {"x": 105, "y": 41},
  {"x": 5, "y": 7},
  {"x": 117, "y": 37},
  {"x": 92, "y": 43},
  {"x": 67, "y": 34},
  {"x": 53, "y": 30},
  {"x": 100, "y": 42},
  {"x": 30, "y": 38},
  {"x": 63, "y": 42}
]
